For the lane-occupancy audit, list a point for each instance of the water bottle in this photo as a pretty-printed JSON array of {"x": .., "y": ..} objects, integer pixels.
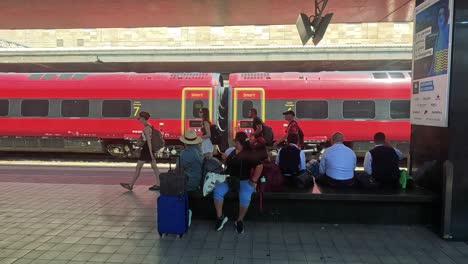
[{"x": 403, "y": 178}]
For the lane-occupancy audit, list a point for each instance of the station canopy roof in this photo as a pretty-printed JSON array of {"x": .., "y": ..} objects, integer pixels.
[{"x": 53, "y": 14}]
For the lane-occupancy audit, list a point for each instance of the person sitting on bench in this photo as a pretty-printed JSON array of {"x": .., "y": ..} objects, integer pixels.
[
  {"x": 381, "y": 164},
  {"x": 337, "y": 164},
  {"x": 191, "y": 159},
  {"x": 290, "y": 158},
  {"x": 244, "y": 169}
]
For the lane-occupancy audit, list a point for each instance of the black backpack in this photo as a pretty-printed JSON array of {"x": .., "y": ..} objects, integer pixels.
[
  {"x": 268, "y": 134},
  {"x": 215, "y": 135},
  {"x": 157, "y": 140}
]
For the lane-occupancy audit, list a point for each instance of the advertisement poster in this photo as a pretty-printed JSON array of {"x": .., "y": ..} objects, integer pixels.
[{"x": 431, "y": 63}]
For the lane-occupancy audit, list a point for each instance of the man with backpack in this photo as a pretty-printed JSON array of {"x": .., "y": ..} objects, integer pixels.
[
  {"x": 260, "y": 129},
  {"x": 293, "y": 128},
  {"x": 151, "y": 141}
]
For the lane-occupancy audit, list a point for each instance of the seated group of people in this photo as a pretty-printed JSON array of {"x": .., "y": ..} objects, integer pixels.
[
  {"x": 244, "y": 164},
  {"x": 338, "y": 163}
]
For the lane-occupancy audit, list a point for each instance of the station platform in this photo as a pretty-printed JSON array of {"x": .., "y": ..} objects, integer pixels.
[{"x": 79, "y": 214}]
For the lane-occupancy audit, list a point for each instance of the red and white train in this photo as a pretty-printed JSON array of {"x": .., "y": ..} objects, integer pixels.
[{"x": 96, "y": 112}]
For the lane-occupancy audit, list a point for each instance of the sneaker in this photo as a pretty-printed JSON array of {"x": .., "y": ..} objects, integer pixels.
[
  {"x": 154, "y": 188},
  {"x": 189, "y": 217},
  {"x": 239, "y": 226},
  {"x": 220, "y": 223}
]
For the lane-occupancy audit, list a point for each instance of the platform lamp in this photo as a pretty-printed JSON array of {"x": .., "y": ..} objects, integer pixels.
[{"x": 313, "y": 26}]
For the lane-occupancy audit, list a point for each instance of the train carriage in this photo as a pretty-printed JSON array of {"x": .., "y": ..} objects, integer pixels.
[
  {"x": 359, "y": 104},
  {"x": 96, "y": 112}
]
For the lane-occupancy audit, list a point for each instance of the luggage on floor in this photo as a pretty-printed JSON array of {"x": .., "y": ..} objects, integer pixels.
[
  {"x": 172, "y": 182},
  {"x": 273, "y": 179},
  {"x": 172, "y": 214}
]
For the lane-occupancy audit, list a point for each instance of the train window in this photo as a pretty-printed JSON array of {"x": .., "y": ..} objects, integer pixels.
[
  {"x": 116, "y": 108},
  {"x": 380, "y": 75},
  {"x": 197, "y": 105},
  {"x": 396, "y": 75},
  {"x": 4, "y": 105},
  {"x": 312, "y": 109},
  {"x": 34, "y": 107},
  {"x": 75, "y": 108},
  {"x": 246, "y": 106},
  {"x": 359, "y": 109},
  {"x": 400, "y": 109}
]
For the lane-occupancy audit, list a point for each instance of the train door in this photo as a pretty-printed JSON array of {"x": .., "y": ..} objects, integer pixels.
[
  {"x": 193, "y": 99},
  {"x": 244, "y": 100}
]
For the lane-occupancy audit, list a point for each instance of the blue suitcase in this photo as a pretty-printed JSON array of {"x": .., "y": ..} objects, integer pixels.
[{"x": 173, "y": 214}]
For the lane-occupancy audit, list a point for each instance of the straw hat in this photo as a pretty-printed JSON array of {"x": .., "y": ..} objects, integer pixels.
[{"x": 190, "y": 138}]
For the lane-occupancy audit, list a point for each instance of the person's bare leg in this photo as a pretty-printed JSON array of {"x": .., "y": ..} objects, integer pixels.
[
  {"x": 155, "y": 168},
  {"x": 242, "y": 212},
  {"x": 219, "y": 207},
  {"x": 139, "y": 165}
]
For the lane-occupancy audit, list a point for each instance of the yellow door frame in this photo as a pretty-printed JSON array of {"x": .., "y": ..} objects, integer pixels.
[
  {"x": 262, "y": 100},
  {"x": 210, "y": 104}
]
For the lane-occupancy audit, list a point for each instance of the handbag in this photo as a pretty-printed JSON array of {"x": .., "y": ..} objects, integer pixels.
[
  {"x": 304, "y": 179},
  {"x": 211, "y": 180}
]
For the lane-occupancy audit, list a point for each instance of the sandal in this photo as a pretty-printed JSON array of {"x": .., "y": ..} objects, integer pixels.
[{"x": 126, "y": 186}]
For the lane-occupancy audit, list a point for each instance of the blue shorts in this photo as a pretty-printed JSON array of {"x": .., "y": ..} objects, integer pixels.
[{"x": 245, "y": 192}]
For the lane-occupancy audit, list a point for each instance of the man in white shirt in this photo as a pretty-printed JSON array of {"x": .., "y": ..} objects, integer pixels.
[
  {"x": 382, "y": 164},
  {"x": 337, "y": 164}
]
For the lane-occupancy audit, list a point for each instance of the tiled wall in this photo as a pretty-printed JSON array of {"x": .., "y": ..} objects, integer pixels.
[{"x": 273, "y": 35}]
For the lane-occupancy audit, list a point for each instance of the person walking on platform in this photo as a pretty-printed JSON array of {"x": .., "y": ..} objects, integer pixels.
[
  {"x": 337, "y": 164},
  {"x": 244, "y": 167},
  {"x": 207, "y": 145},
  {"x": 293, "y": 128},
  {"x": 147, "y": 153}
]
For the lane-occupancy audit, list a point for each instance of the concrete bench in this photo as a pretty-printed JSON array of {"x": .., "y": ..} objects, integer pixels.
[{"x": 328, "y": 205}]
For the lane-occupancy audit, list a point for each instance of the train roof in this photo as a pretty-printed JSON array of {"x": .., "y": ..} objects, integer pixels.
[
  {"x": 321, "y": 76},
  {"x": 290, "y": 85},
  {"x": 96, "y": 85},
  {"x": 83, "y": 76}
]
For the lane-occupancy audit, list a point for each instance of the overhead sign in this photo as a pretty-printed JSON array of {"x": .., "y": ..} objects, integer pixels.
[{"x": 432, "y": 51}]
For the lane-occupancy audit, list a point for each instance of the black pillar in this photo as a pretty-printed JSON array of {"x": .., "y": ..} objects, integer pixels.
[{"x": 432, "y": 146}]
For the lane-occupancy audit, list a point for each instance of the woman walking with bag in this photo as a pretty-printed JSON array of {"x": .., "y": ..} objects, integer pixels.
[{"x": 147, "y": 153}]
